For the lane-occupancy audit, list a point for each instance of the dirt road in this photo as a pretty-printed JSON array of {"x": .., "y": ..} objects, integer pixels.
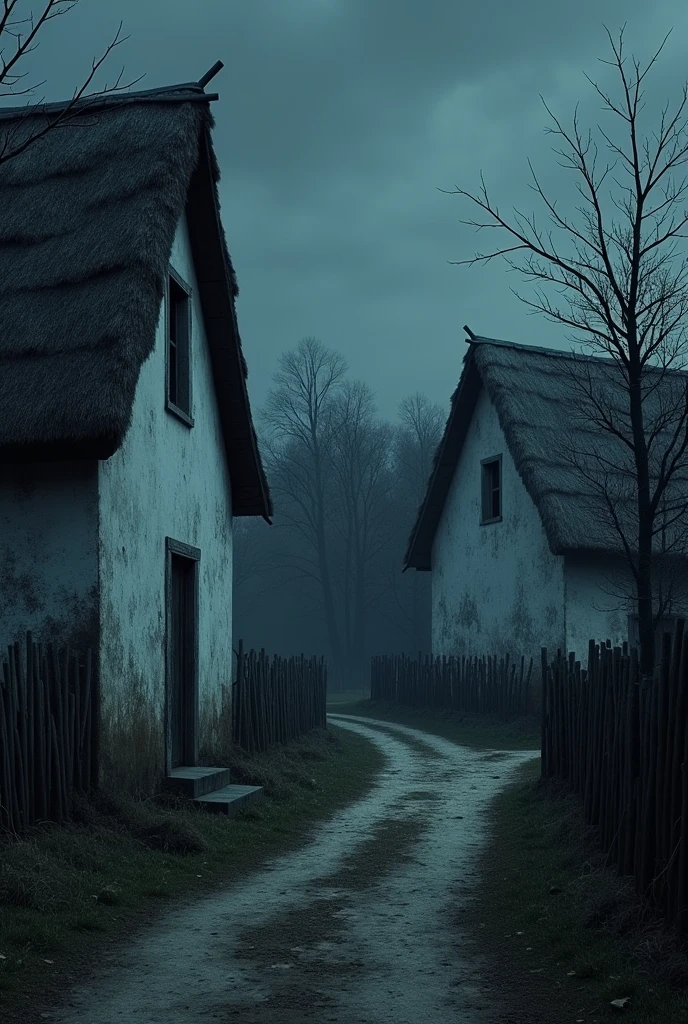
[{"x": 360, "y": 926}]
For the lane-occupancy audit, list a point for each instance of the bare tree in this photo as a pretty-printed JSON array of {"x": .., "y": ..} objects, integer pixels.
[
  {"x": 253, "y": 555},
  {"x": 361, "y": 463},
  {"x": 417, "y": 436},
  {"x": 370, "y": 486},
  {"x": 421, "y": 423},
  {"x": 19, "y": 35},
  {"x": 624, "y": 290},
  {"x": 298, "y": 417}
]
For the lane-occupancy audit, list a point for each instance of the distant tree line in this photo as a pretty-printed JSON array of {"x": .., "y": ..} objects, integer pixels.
[{"x": 326, "y": 576}]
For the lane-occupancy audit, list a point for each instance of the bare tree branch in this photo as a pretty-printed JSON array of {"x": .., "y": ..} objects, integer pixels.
[{"x": 21, "y": 133}]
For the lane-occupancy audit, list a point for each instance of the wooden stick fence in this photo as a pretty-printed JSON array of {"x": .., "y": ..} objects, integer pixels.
[
  {"x": 487, "y": 685},
  {"x": 275, "y": 700},
  {"x": 623, "y": 746},
  {"x": 47, "y": 734}
]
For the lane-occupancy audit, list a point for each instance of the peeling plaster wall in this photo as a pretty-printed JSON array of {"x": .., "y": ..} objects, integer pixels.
[
  {"x": 166, "y": 480},
  {"x": 495, "y": 588},
  {"x": 48, "y": 553}
]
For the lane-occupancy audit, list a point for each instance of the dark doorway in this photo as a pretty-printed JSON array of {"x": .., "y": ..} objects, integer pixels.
[{"x": 182, "y": 663}]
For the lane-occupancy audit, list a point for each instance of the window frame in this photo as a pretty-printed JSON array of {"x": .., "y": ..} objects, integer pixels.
[
  {"x": 182, "y": 413},
  {"x": 484, "y": 463}
]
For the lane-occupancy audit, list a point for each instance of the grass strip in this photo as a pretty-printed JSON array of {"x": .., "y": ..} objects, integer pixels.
[
  {"x": 346, "y": 697},
  {"x": 566, "y": 935},
  {"x": 480, "y": 732}
]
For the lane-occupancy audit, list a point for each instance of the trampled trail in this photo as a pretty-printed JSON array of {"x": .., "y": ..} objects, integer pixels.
[{"x": 362, "y": 925}]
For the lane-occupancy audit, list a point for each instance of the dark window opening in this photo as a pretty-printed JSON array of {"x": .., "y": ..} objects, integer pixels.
[
  {"x": 178, "y": 346},
  {"x": 491, "y": 490}
]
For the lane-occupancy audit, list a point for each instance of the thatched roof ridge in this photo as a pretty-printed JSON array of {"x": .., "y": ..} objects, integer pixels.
[
  {"x": 88, "y": 215},
  {"x": 188, "y": 92},
  {"x": 538, "y": 407}
]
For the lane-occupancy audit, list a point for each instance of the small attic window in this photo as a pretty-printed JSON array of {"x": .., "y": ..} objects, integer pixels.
[
  {"x": 179, "y": 348},
  {"x": 491, "y": 476}
]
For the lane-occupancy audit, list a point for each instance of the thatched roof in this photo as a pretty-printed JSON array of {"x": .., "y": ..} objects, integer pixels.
[
  {"x": 551, "y": 439},
  {"x": 88, "y": 215}
]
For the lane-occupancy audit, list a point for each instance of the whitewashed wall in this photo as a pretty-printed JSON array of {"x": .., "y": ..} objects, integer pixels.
[
  {"x": 166, "y": 480},
  {"x": 495, "y": 588},
  {"x": 48, "y": 563}
]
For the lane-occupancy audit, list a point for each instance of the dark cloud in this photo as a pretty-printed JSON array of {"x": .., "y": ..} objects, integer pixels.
[{"x": 338, "y": 122}]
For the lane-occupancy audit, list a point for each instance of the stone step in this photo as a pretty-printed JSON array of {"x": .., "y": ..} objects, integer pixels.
[
  {"x": 230, "y": 799},
  {"x": 197, "y": 781}
]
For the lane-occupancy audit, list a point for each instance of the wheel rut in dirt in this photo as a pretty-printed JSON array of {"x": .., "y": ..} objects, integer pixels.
[{"x": 357, "y": 926}]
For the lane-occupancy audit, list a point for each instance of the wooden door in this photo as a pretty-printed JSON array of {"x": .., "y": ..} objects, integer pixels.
[{"x": 182, "y": 668}]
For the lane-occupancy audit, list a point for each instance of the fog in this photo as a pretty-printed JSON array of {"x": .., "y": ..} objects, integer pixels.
[{"x": 325, "y": 577}]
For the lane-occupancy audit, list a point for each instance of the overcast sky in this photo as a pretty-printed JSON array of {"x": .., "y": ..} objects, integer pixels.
[{"x": 339, "y": 122}]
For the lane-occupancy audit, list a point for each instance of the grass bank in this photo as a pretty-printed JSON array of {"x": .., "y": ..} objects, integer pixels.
[
  {"x": 346, "y": 697},
  {"x": 480, "y": 732},
  {"x": 568, "y": 935},
  {"x": 67, "y": 892}
]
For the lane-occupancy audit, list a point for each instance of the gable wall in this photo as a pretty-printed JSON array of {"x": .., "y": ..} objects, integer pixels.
[
  {"x": 166, "y": 480},
  {"x": 495, "y": 588}
]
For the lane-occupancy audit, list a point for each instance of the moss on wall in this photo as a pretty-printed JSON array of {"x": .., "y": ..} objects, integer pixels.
[
  {"x": 467, "y": 614},
  {"x": 215, "y": 727},
  {"x": 132, "y": 747}
]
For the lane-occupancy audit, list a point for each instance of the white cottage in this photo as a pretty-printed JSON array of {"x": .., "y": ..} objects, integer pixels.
[
  {"x": 126, "y": 440},
  {"x": 520, "y": 552}
]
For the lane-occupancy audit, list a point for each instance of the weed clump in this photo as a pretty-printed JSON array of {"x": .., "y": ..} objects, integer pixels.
[
  {"x": 22, "y": 881},
  {"x": 170, "y": 836},
  {"x": 281, "y": 770}
]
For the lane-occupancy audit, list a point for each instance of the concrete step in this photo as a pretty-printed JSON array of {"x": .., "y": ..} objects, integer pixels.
[
  {"x": 197, "y": 781},
  {"x": 230, "y": 799}
]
